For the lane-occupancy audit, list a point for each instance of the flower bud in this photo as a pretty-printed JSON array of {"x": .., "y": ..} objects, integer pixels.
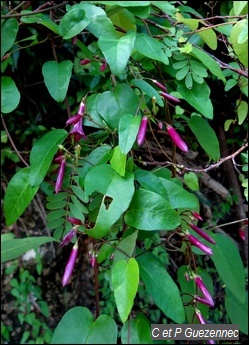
[
  {"x": 161, "y": 86},
  {"x": 73, "y": 119},
  {"x": 208, "y": 298},
  {"x": 70, "y": 265},
  {"x": 199, "y": 316},
  {"x": 199, "y": 244},
  {"x": 103, "y": 66},
  {"x": 196, "y": 215},
  {"x": 203, "y": 301},
  {"x": 202, "y": 233},
  {"x": 60, "y": 176},
  {"x": 169, "y": 97},
  {"x": 177, "y": 139},
  {"x": 74, "y": 221},
  {"x": 81, "y": 108},
  {"x": 242, "y": 234},
  {"x": 69, "y": 236},
  {"x": 85, "y": 62},
  {"x": 142, "y": 130}
]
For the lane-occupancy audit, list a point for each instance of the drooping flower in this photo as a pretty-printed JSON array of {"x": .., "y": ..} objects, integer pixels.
[
  {"x": 74, "y": 221},
  {"x": 161, "y": 86},
  {"x": 103, "y": 66},
  {"x": 203, "y": 301},
  {"x": 199, "y": 244},
  {"x": 77, "y": 131},
  {"x": 70, "y": 265},
  {"x": 142, "y": 130},
  {"x": 199, "y": 316},
  {"x": 85, "y": 61},
  {"x": 177, "y": 139},
  {"x": 196, "y": 215},
  {"x": 73, "y": 119},
  {"x": 169, "y": 97},
  {"x": 60, "y": 175},
  {"x": 69, "y": 236},
  {"x": 202, "y": 233},
  {"x": 208, "y": 298}
]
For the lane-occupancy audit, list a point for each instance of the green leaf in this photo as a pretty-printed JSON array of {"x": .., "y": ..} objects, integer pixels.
[
  {"x": 237, "y": 311},
  {"x": 161, "y": 287},
  {"x": 41, "y": 19},
  {"x": 118, "y": 161},
  {"x": 57, "y": 77},
  {"x": 123, "y": 3},
  {"x": 77, "y": 323},
  {"x": 209, "y": 37},
  {"x": 151, "y": 48},
  {"x": 116, "y": 189},
  {"x": 18, "y": 195},
  {"x": 10, "y": 96},
  {"x": 42, "y": 154},
  {"x": 147, "y": 89},
  {"x": 205, "y": 135},
  {"x": 13, "y": 248},
  {"x": 113, "y": 105},
  {"x": 125, "y": 278},
  {"x": 240, "y": 7},
  {"x": 128, "y": 129},
  {"x": 182, "y": 73},
  {"x": 242, "y": 111},
  {"x": 9, "y": 29},
  {"x": 198, "y": 97},
  {"x": 227, "y": 260},
  {"x": 191, "y": 23},
  {"x": 209, "y": 62},
  {"x": 191, "y": 181},
  {"x": 56, "y": 214},
  {"x": 117, "y": 51},
  {"x": 102, "y": 331},
  {"x": 150, "y": 211},
  {"x": 73, "y": 23},
  {"x": 165, "y": 7},
  {"x": 125, "y": 247},
  {"x": 241, "y": 50},
  {"x": 136, "y": 331}
]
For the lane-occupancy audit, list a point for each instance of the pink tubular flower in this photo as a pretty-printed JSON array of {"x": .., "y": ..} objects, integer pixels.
[
  {"x": 203, "y": 301},
  {"x": 60, "y": 176},
  {"x": 70, "y": 265},
  {"x": 199, "y": 316},
  {"x": 199, "y": 244},
  {"x": 73, "y": 119},
  {"x": 177, "y": 139},
  {"x": 77, "y": 131},
  {"x": 142, "y": 130},
  {"x": 196, "y": 215},
  {"x": 161, "y": 86},
  {"x": 169, "y": 97},
  {"x": 242, "y": 234},
  {"x": 67, "y": 239},
  {"x": 103, "y": 66},
  {"x": 207, "y": 297},
  {"x": 202, "y": 233},
  {"x": 74, "y": 221},
  {"x": 85, "y": 61}
]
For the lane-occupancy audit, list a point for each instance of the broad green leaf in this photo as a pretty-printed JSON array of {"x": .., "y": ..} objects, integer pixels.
[
  {"x": 41, "y": 19},
  {"x": 42, "y": 154},
  {"x": 116, "y": 190},
  {"x": 240, "y": 7},
  {"x": 128, "y": 129},
  {"x": 241, "y": 50},
  {"x": 151, "y": 48},
  {"x": 191, "y": 181},
  {"x": 73, "y": 23},
  {"x": 125, "y": 278},
  {"x": 165, "y": 6},
  {"x": 205, "y": 135},
  {"x": 18, "y": 195},
  {"x": 161, "y": 287},
  {"x": 150, "y": 211},
  {"x": 209, "y": 62},
  {"x": 243, "y": 36},
  {"x": 13, "y": 248},
  {"x": 227, "y": 124},
  {"x": 7, "y": 236},
  {"x": 198, "y": 97},
  {"x": 237, "y": 311},
  {"x": 10, "y": 96},
  {"x": 118, "y": 161},
  {"x": 77, "y": 323},
  {"x": 105, "y": 252},
  {"x": 102, "y": 331},
  {"x": 117, "y": 51},
  {"x": 122, "y": 18},
  {"x": 123, "y": 3},
  {"x": 191, "y": 23},
  {"x": 9, "y": 29},
  {"x": 147, "y": 89},
  {"x": 242, "y": 111},
  {"x": 125, "y": 248},
  {"x": 209, "y": 37},
  {"x": 113, "y": 105},
  {"x": 151, "y": 182},
  {"x": 227, "y": 260},
  {"x": 57, "y": 77},
  {"x": 138, "y": 330}
]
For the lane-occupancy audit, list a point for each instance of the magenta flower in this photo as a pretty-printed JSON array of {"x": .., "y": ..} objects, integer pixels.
[
  {"x": 73, "y": 119},
  {"x": 77, "y": 131},
  {"x": 169, "y": 97},
  {"x": 242, "y": 234},
  {"x": 103, "y": 66},
  {"x": 199, "y": 316},
  {"x": 196, "y": 215},
  {"x": 202, "y": 233},
  {"x": 161, "y": 86},
  {"x": 67, "y": 239},
  {"x": 142, "y": 130},
  {"x": 81, "y": 108},
  {"x": 70, "y": 265},
  {"x": 177, "y": 139},
  {"x": 60, "y": 175},
  {"x": 208, "y": 298},
  {"x": 199, "y": 244},
  {"x": 85, "y": 61},
  {"x": 203, "y": 301},
  {"x": 74, "y": 221}
]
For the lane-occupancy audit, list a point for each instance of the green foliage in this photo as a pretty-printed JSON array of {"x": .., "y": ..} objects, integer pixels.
[{"x": 106, "y": 64}]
